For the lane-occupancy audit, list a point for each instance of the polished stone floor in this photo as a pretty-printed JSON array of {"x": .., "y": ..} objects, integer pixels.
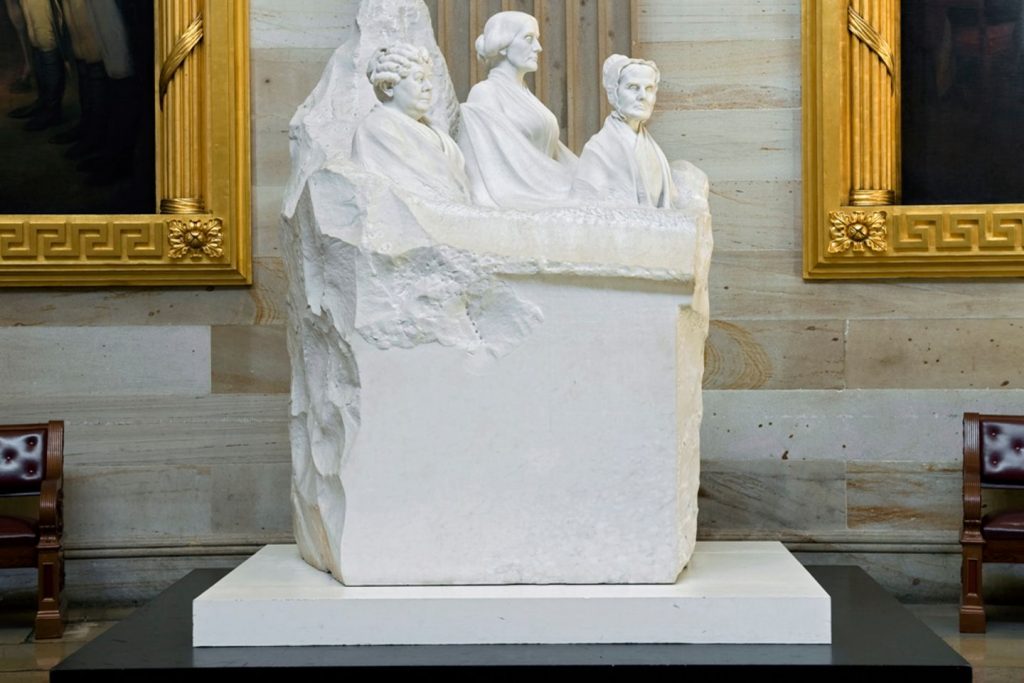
[
  {"x": 997, "y": 656},
  {"x": 23, "y": 659}
]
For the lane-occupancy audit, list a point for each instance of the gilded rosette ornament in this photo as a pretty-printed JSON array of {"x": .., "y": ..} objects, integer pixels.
[
  {"x": 196, "y": 237},
  {"x": 857, "y": 231}
]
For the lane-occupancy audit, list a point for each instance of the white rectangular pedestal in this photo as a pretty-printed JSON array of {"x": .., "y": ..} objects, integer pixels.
[{"x": 731, "y": 592}]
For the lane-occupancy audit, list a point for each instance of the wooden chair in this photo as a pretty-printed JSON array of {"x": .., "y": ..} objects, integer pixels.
[
  {"x": 993, "y": 458},
  {"x": 32, "y": 464}
]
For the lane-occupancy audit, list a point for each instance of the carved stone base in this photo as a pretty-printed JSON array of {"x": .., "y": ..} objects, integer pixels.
[{"x": 732, "y": 592}]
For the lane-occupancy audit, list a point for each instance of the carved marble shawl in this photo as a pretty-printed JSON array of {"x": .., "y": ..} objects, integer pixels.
[
  {"x": 414, "y": 155},
  {"x": 514, "y": 158},
  {"x": 624, "y": 167}
]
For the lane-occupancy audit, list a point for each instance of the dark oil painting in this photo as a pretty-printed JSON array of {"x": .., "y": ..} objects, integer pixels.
[
  {"x": 76, "y": 107},
  {"x": 962, "y": 101}
]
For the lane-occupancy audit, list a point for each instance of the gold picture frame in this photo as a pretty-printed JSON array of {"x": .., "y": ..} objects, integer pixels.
[
  {"x": 854, "y": 225},
  {"x": 202, "y": 233}
]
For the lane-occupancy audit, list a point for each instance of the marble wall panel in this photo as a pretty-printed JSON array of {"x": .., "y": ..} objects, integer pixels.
[
  {"x": 117, "y": 361},
  {"x": 768, "y": 284},
  {"x": 774, "y": 354},
  {"x": 771, "y": 496},
  {"x": 252, "y": 504},
  {"x": 266, "y": 220},
  {"x": 271, "y": 157},
  {"x": 134, "y": 580},
  {"x": 268, "y": 292},
  {"x": 756, "y": 215},
  {"x": 935, "y": 354},
  {"x": 301, "y": 23},
  {"x": 175, "y": 504},
  {"x": 262, "y": 303},
  {"x": 733, "y": 144},
  {"x": 718, "y": 20},
  {"x": 154, "y": 504},
  {"x": 103, "y": 431},
  {"x": 877, "y": 425},
  {"x": 282, "y": 78},
  {"x": 755, "y": 74},
  {"x": 250, "y": 359},
  {"x": 904, "y": 495}
]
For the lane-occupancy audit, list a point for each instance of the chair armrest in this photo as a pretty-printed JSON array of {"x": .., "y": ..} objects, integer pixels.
[
  {"x": 972, "y": 477},
  {"x": 55, "y": 449},
  {"x": 51, "y": 493},
  {"x": 51, "y": 507}
]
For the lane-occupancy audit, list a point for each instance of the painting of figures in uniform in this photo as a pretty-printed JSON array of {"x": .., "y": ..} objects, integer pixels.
[{"x": 76, "y": 107}]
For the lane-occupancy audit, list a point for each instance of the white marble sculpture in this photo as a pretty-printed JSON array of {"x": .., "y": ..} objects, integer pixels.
[
  {"x": 395, "y": 140},
  {"x": 514, "y": 157},
  {"x": 483, "y": 395},
  {"x": 622, "y": 164}
]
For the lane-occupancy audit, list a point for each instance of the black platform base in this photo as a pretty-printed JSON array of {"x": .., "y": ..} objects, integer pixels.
[{"x": 874, "y": 639}]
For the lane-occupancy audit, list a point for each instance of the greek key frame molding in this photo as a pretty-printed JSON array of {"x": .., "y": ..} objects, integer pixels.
[
  {"x": 200, "y": 231},
  {"x": 854, "y": 226}
]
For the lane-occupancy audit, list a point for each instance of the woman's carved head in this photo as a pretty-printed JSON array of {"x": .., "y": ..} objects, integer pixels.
[
  {"x": 400, "y": 74},
  {"x": 391, "y": 64},
  {"x": 510, "y": 35},
  {"x": 631, "y": 85}
]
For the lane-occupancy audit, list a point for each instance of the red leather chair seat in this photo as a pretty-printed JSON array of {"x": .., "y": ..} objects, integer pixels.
[
  {"x": 16, "y": 531},
  {"x": 1004, "y": 525}
]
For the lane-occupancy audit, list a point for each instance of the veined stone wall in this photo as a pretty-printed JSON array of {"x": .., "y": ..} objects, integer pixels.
[
  {"x": 832, "y": 410},
  {"x": 175, "y": 400}
]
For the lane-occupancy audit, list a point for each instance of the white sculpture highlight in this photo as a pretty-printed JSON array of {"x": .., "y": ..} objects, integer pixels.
[
  {"x": 484, "y": 395},
  {"x": 396, "y": 140},
  {"x": 622, "y": 164},
  {"x": 514, "y": 157}
]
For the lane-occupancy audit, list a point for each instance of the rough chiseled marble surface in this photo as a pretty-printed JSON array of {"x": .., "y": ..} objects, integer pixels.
[{"x": 484, "y": 395}]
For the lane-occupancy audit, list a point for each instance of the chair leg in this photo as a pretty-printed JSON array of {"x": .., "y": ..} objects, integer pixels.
[
  {"x": 50, "y": 617},
  {"x": 972, "y": 607}
]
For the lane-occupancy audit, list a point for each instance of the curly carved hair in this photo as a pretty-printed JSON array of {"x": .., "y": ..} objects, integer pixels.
[{"x": 391, "y": 64}]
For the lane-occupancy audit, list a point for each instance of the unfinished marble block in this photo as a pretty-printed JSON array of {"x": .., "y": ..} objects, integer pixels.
[{"x": 482, "y": 395}]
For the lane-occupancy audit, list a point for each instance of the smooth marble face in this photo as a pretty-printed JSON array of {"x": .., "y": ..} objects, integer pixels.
[
  {"x": 523, "y": 51},
  {"x": 413, "y": 94},
  {"x": 637, "y": 92}
]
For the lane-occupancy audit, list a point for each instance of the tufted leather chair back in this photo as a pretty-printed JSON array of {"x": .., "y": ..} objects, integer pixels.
[
  {"x": 1002, "y": 451},
  {"x": 22, "y": 460}
]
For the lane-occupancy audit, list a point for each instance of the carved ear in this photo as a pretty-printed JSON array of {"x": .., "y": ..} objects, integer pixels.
[{"x": 388, "y": 91}]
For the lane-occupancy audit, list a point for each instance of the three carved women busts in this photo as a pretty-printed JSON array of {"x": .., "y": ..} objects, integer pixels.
[{"x": 509, "y": 154}]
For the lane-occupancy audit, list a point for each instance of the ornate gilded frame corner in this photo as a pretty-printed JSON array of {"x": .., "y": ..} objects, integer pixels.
[
  {"x": 200, "y": 232},
  {"x": 854, "y": 224}
]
